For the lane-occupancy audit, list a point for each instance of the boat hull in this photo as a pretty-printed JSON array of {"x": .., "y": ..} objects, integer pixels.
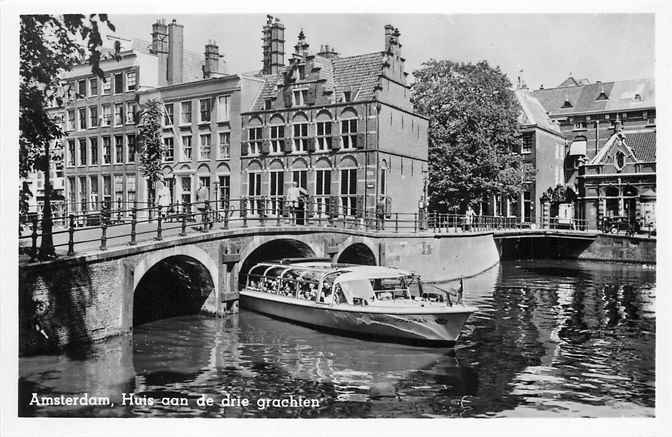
[{"x": 436, "y": 327}]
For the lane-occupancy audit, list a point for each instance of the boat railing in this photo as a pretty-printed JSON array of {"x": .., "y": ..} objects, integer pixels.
[{"x": 451, "y": 297}]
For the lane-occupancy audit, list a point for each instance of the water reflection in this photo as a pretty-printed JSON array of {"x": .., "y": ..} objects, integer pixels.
[{"x": 550, "y": 338}]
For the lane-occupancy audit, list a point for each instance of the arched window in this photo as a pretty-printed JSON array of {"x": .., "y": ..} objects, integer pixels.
[
  {"x": 323, "y": 131},
  {"x": 349, "y": 129},
  {"x": 300, "y": 133},
  {"x": 277, "y": 134},
  {"x": 348, "y": 186}
]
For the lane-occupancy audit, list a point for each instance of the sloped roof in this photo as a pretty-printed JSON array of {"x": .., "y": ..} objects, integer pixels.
[
  {"x": 642, "y": 144},
  {"x": 533, "y": 113},
  {"x": 621, "y": 95},
  {"x": 357, "y": 74}
]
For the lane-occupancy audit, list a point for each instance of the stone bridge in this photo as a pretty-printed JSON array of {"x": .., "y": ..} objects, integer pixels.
[{"x": 101, "y": 293}]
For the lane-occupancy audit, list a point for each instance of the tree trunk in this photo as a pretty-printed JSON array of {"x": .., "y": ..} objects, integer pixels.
[{"x": 47, "y": 243}]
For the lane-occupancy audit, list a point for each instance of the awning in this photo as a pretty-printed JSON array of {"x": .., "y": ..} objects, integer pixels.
[
  {"x": 577, "y": 148},
  {"x": 648, "y": 195}
]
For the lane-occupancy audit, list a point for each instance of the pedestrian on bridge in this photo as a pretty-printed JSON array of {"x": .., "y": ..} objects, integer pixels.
[
  {"x": 163, "y": 199},
  {"x": 202, "y": 202}
]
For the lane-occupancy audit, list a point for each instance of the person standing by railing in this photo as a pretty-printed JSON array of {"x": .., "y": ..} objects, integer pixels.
[
  {"x": 469, "y": 217},
  {"x": 294, "y": 193},
  {"x": 163, "y": 198},
  {"x": 202, "y": 200}
]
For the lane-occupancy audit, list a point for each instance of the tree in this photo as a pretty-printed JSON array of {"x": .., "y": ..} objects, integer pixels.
[
  {"x": 473, "y": 132},
  {"x": 150, "y": 143},
  {"x": 50, "y": 45}
]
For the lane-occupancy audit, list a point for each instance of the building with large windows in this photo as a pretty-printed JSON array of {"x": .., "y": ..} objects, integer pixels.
[
  {"x": 610, "y": 158},
  {"x": 342, "y": 128},
  {"x": 100, "y": 150},
  {"x": 201, "y": 130}
]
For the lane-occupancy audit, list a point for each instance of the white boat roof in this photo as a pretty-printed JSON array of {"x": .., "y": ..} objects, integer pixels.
[{"x": 370, "y": 272}]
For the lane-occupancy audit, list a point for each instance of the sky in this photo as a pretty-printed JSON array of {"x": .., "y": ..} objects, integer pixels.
[{"x": 546, "y": 47}]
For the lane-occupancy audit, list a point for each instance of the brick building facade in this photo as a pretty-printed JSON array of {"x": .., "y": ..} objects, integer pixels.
[{"x": 343, "y": 128}]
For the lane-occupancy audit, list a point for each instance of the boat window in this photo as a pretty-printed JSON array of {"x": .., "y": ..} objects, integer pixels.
[
  {"x": 356, "y": 291},
  {"x": 390, "y": 288}
]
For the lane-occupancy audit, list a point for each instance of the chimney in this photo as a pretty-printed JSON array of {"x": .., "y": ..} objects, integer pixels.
[
  {"x": 328, "y": 52},
  {"x": 175, "y": 52},
  {"x": 160, "y": 48},
  {"x": 212, "y": 67},
  {"x": 273, "y": 45}
]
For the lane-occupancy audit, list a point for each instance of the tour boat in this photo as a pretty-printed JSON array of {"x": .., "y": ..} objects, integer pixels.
[{"x": 365, "y": 301}]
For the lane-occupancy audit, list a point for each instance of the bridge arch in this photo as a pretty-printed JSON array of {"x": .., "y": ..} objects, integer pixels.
[
  {"x": 357, "y": 250},
  {"x": 173, "y": 282},
  {"x": 273, "y": 248}
]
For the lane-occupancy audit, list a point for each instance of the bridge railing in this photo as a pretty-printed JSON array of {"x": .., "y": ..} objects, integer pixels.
[{"x": 100, "y": 225}]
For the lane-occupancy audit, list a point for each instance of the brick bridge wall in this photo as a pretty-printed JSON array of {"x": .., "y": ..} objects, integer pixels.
[{"x": 87, "y": 298}]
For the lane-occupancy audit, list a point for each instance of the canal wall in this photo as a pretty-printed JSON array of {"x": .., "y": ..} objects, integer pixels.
[
  {"x": 603, "y": 247},
  {"x": 86, "y": 298}
]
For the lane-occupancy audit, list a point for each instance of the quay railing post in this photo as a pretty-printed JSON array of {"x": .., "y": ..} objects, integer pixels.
[
  {"x": 396, "y": 222},
  {"x": 159, "y": 220},
  {"x": 33, "y": 250},
  {"x": 183, "y": 231},
  {"x": 225, "y": 218},
  {"x": 415, "y": 222},
  {"x": 134, "y": 221},
  {"x": 71, "y": 235},
  {"x": 103, "y": 235}
]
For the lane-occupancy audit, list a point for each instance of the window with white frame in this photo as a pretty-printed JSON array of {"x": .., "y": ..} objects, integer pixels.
[
  {"x": 130, "y": 189},
  {"x": 168, "y": 114},
  {"x": 322, "y": 191},
  {"x": 107, "y": 115},
  {"x": 299, "y": 97},
  {"x": 185, "y": 112},
  {"x": 107, "y": 85},
  {"x": 276, "y": 191},
  {"x": 186, "y": 147},
  {"x": 118, "y": 149},
  {"x": 93, "y": 116},
  {"x": 277, "y": 138},
  {"x": 72, "y": 123},
  {"x": 81, "y": 89},
  {"x": 223, "y": 110},
  {"x": 107, "y": 150},
  {"x": 224, "y": 145},
  {"x": 82, "y": 151},
  {"x": 118, "y": 83},
  {"x": 255, "y": 138},
  {"x": 205, "y": 110},
  {"x": 130, "y": 148},
  {"x": 93, "y": 145},
  {"x": 348, "y": 191},
  {"x": 71, "y": 153},
  {"x": 94, "y": 192},
  {"x": 93, "y": 86},
  {"x": 82, "y": 118},
  {"x": 349, "y": 133},
  {"x": 107, "y": 191},
  {"x": 168, "y": 149},
  {"x": 205, "y": 143},
  {"x": 131, "y": 109},
  {"x": 301, "y": 178},
  {"x": 130, "y": 81},
  {"x": 300, "y": 137},
  {"x": 253, "y": 191},
  {"x": 118, "y": 114},
  {"x": 323, "y": 135}
]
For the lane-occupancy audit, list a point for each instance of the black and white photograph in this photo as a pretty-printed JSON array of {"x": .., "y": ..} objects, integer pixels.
[{"x": 449, "y": 216}]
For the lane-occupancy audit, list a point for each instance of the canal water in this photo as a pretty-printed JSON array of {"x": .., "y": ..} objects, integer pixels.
[{"x": 550, "y": 339}]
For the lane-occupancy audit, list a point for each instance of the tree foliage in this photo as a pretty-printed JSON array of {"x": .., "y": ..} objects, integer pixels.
[
  {"x": 150, "y": 143},
  {"x": 473, "y": 132},
  {"x": 49, "y": 46}
]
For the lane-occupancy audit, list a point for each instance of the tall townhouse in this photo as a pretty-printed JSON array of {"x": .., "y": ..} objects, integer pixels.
[
  {"x": 101, "y": 159},
  {"x": 201, "y": 130},
  {"x": 343, "y": 128}
]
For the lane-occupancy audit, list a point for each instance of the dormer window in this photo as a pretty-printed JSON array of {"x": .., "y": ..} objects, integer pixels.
[
  {"x": 301, "y": 72},
  {"x": 347, "y": 96},
  {"x": 638, "y": 98},
  {"x": 602, "y": 96},
  {"x": 299, "y": 97},
  {"x": 268, "y": 103},
  {"x": 567, "y": 104}
]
